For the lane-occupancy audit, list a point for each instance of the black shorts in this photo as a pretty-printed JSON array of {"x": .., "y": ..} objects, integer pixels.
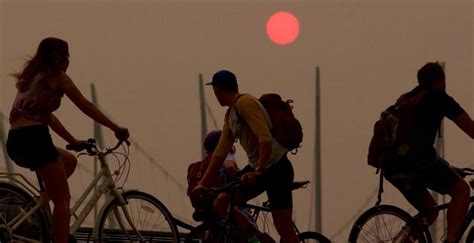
[
  {"x": 413, "y": 184},
  {"x": 31, "y": 147},
  {"x": 276, "y": 181}
]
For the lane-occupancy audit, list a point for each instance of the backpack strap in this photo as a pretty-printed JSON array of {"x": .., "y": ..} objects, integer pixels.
[
  {"x": 379, "y": 196},
  {"x": 267, "y": 116}
]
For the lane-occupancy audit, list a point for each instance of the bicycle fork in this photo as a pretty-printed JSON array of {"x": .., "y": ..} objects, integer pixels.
[{"x": 120, "y": 220}]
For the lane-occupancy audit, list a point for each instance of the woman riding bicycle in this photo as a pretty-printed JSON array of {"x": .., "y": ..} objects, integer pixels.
[{"x": 41, "y": 85}]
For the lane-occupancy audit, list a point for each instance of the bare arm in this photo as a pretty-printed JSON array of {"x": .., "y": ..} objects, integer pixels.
[
  {"x": 216, "y": 162},
  {"x": 465, "y": 123},
  {"x": 89, "y": 109},
  {"x": 58, "y": 127},
  {"x": 231, "y": 169},
  {"x": 223, "y": 148}
]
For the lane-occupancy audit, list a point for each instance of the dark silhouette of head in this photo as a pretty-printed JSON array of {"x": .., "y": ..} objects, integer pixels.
[
  {"x": 430, "y": 75},
  {"x": 224, "y": 80},
  {"x": 211, "y": 140},
  {"x": 51, "y": 58}
]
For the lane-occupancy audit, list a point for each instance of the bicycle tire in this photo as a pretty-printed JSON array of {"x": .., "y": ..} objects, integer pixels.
[
  {"x": 377, "y": 224},
  {"x": 151, "y": 218},
  {"x": 311, "y": 236},
  {"x": 14, "y": 200}
]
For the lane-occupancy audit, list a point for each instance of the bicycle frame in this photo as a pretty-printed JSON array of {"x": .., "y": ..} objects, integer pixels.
[
  {"x": 264, "y": 208},
  {"x": 107, "y": 186},
  {"x": 467, "y": 220},
  {"x": 20, "y": 181},
  {"x": 256, "y": 209}
]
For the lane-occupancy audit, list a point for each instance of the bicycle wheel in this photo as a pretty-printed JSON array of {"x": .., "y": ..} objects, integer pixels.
[
  {"x": 150, "y": 218},
  {"x": 311, "y": 236},
  {"x": 14, "y": 203},
  {"x": 386, "y": 223}
]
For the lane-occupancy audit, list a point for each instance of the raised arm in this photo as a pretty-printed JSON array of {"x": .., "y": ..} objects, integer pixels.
[
  {"x": 58, "y": 127},
  {"x": 465, "y": 123},
  {"x": 90, "y": 109},
  {"x": 223, "y": 148}
]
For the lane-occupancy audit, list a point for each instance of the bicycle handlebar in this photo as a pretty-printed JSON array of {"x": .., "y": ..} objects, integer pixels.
[
  {"x": 463, "y": 172},
  {"x": 226, "y": 188},
  {"x": 91, "y": 147}
]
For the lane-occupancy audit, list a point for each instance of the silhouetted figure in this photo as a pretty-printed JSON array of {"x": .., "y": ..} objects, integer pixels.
[
  {"x": 419, "y": 167},
  {"x": 268, "y": 168},
  {"x": 41, "y": 85}
]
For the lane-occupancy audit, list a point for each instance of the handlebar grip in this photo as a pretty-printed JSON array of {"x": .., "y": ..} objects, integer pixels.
[
  {"x": 76, "y": 148},
  {"x": 84, "y": 145}
]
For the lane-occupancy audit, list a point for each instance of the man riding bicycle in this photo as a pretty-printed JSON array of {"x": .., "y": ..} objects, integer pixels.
[
  {"x": 421, "y": 168},
  {"x": 246, "y": 120}
]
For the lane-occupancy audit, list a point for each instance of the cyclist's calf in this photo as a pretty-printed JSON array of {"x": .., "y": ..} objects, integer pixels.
[
  {"x": 457, "y": 208},
  {"x": 220, "y": 205}
]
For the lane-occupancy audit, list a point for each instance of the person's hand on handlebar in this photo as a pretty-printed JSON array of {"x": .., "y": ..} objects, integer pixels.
[
  {"x": 122, "y": 134},
  {"x": 77, "y": 145},
  {"x": 250, "y": 178}
]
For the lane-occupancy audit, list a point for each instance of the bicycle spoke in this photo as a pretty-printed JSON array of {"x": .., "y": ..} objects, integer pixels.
[
  {"x": 384, "y": 223},
  {"x": 140, "y": 219}
]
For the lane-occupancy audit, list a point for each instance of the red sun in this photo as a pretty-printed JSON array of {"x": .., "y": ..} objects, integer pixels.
[{"x": 283, "y": 28}]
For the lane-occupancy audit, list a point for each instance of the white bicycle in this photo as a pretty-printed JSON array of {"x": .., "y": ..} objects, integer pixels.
[{"x": 126, "y": 215}]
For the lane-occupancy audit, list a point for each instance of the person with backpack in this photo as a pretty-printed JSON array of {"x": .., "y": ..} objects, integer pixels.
[
  {"x": 268, "y": 168},
  {"x": 227, "y": 172},
  {"x": 410, "y": 161}
]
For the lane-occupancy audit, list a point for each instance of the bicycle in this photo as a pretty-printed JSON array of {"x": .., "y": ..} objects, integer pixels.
[
  {"x": 388, "y": 223},
  {"x": 226, "y": 233},
  {"x": 126, "y": 215}
]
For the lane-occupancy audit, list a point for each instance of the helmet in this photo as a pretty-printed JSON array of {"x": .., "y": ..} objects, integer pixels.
[{"x": 211, "y": 140}]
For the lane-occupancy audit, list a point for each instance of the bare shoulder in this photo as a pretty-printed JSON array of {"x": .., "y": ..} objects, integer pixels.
[{"x": 65, "y": 81}]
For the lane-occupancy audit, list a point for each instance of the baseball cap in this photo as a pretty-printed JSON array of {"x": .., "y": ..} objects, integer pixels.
[{"x": 224, "y": 80}]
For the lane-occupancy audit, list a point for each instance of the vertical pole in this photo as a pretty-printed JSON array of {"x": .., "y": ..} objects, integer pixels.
[
  {"x": 317, "y": 155},
  {"x": 202, "y": 104},
  {"x": 439, "y": 144},
  {"x": 8, "y": 162},
  {"x": 97, "y": 136}
]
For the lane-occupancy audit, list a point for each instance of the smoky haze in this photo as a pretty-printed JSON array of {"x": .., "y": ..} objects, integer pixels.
[{"x": 144, "y": 58}]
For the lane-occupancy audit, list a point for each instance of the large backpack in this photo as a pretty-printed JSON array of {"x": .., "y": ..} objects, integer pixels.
[
  {"x": 195, "y": 173},
  {"x": 393, "y": 130},
  {"x": 286, "y": 129}
]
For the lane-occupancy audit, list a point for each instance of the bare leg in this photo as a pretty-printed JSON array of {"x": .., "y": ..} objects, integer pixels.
[
  {"x": 429, "y": 202},
  {"x": 69, "y": 161},
  {"x": 457, "y": 208},
  {"x": 220, "y": 205},
  {"x": 55, "y": 181},
  {"x": 284, "y": 225}
]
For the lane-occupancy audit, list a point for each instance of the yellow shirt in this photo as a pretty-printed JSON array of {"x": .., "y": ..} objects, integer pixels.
[{"x": 251, "y": 126}]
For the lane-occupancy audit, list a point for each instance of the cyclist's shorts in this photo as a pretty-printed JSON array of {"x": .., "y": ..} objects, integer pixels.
[
  {"x": 437, "y": 176},
  {"x": 31, "y": 147},
  {"x": 276, "y": 182}
]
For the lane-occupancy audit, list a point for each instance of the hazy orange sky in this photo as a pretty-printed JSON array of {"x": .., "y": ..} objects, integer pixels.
[{"x": 145, "y": 57}]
